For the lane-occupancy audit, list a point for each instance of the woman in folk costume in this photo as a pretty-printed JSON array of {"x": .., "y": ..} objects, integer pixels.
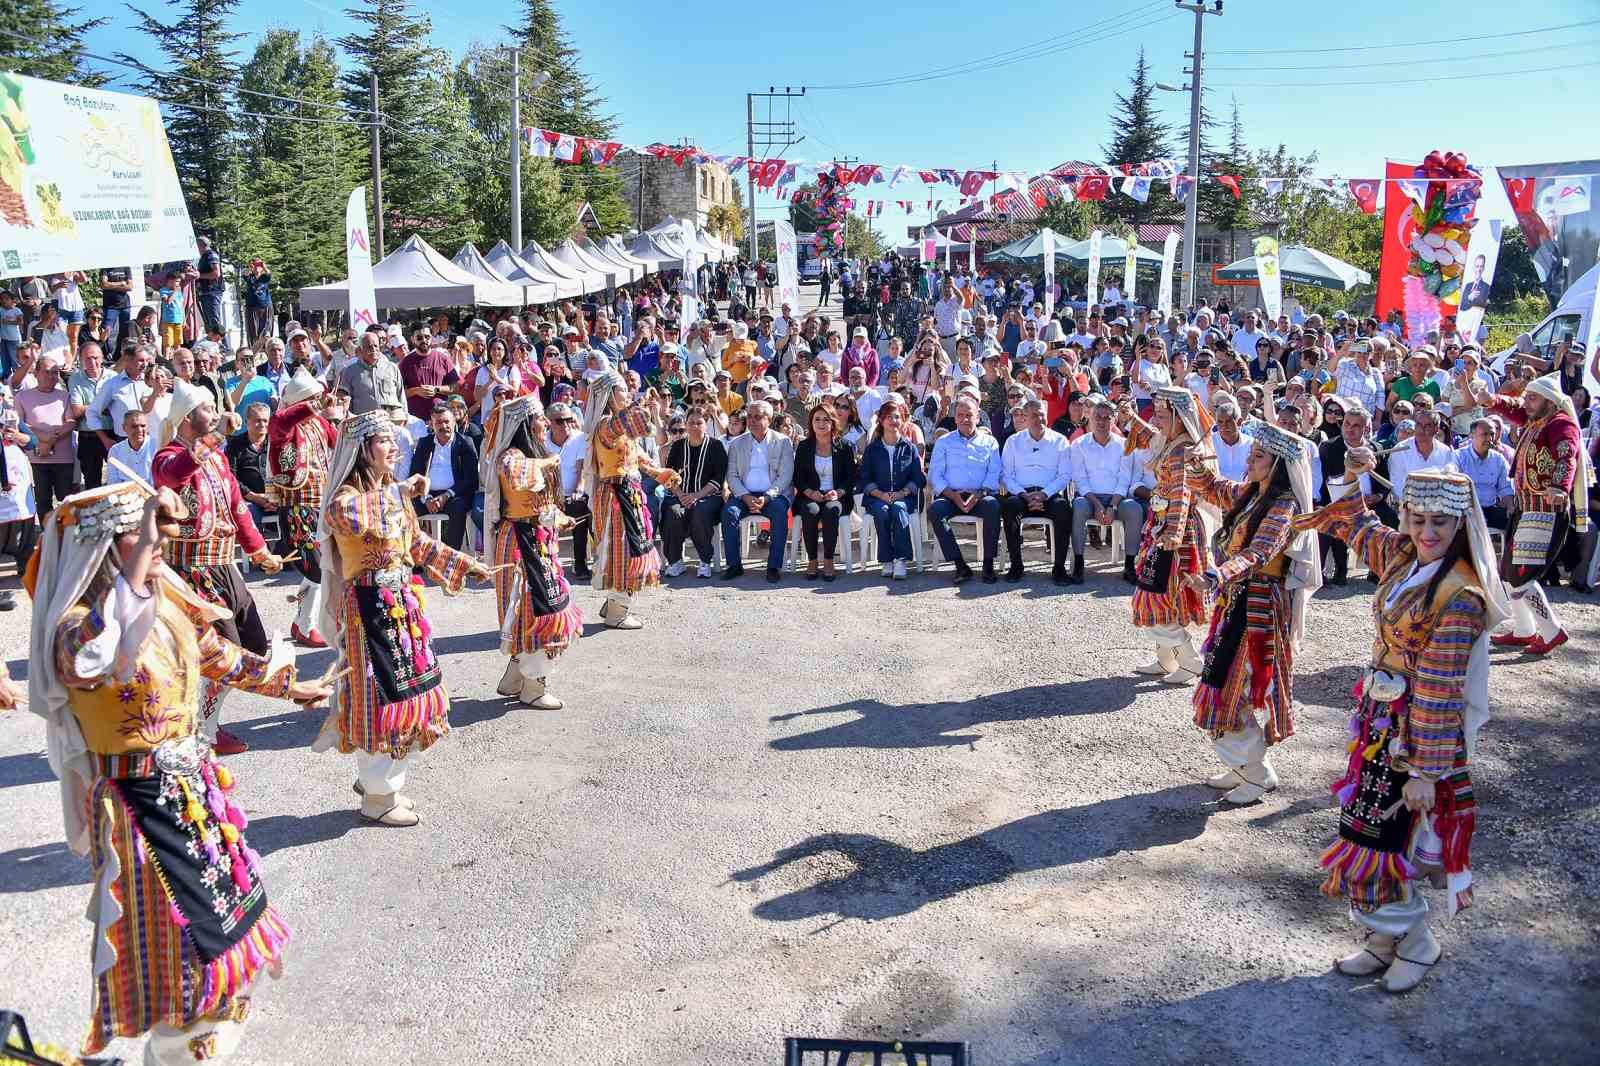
[
  {"x": 388, "y": 699},
  {"x": 1174, "y": 543},
  {"x": 120, "y": 645},
  {"x": 522, "y": 493},
  {"x": 621, "y": 533},
  {"x": 1265, "y": 574},
  {"x": 1406, "y": 802},
  {"x": 299, "y": 443}
]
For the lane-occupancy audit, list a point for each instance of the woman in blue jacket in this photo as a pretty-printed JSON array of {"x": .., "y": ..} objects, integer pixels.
[{"x": 891, "y": 481}]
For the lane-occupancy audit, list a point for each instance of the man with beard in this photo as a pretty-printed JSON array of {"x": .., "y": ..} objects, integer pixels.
[
  {"x": 300, "y": 441},
  {"x": 192, "y": 464}
]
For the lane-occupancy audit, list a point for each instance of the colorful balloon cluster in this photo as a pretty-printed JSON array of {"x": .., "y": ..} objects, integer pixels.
[
  {"x": 831, "y": 207},
  {"x": 1443, "y": 225}
]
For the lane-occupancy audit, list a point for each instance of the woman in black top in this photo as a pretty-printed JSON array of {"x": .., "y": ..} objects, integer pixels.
[
  {"x": 824, "y": 486},
  {"x": 695, "y": 506}
]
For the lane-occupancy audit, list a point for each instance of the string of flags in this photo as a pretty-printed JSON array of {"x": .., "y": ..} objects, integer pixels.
[{"x": 789, "y": 179}]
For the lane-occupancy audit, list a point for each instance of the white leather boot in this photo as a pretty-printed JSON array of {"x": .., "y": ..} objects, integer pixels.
[
  {"x": 1188, "y": 658},
  {"x": 1165, "y": 662},
  {"x": 388, "y": 810},
  {"x": 511, "y": 681},
  {"x": 1414, "y": 955},
  {"x": 1376, "y": 954},
  {"x": 535, "y": 691},
  {"x": 615, "y": 614}
]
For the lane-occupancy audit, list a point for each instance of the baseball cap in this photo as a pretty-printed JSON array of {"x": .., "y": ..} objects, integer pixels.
[
  {"x": 560, "y": 412},
  {"x": 859, "y": 331},
  {"x": 669, "y": 348},
  {"x": 570, "y": 331},
  {"x": 721, "y": 374},
  {"x": 293, "y": 333}
]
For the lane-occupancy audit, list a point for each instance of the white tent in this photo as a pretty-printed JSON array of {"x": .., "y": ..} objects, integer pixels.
[
  {"x": 415, "y": 275},
  {"x": 612, "y": 248},
  {"x": 580, "y": 258},
  {"x": 941, "y": 241},
  {"x": 647, "y": 247},
  {"x": 589, "y": 280},
  {"x": 505, "y": 259},
  {"x": 722, "y": 250},
  {"x": 472, "y": 261}
]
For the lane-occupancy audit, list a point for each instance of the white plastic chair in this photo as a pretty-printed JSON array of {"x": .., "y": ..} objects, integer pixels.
[
  {"x": 1113, "y": 537},
  {"x": 975, "y": 521},
  {"x": 796, "y": 552},
  {"x": 1049, "y": 527},
  {"x": 868, "y": 535}
]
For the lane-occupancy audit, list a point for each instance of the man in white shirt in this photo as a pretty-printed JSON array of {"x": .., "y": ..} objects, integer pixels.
[
  {"x": 867, "y": 400},
  {"x": 124, "y": 391},
  {"x": 1233, "y": 447},
  {"x": 1035, "y": 470},
  {"x": 1247, "y": 337},
  {"x": 570, "y": 443},
  {"x": 947, "y": 317},
  {"x": 136, "y": 451},
  {"x": 1423, "y": 451},
  {"x": 1100, "y": 473},
  {"x": 1032, "y": 348}
]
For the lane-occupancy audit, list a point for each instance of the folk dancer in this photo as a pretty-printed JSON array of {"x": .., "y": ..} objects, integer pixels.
[
  {"x": 388, "y": 697},
  {"x": 1173, "y": 543},
  {"x": 201, "y": 549},
  {"x": 1406, "y": 801},
  {"x": 1550, "y": 477},
  {"x": 522, "y": 495},
  {"x": 299, "y": 443},
  {"x": 1261, "y": 581},
  {"x": 620, "y": 533},
  {"x": 120, "y": 646}
]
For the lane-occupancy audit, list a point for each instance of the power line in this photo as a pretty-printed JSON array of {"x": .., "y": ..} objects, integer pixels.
[
  {"x": 1479, "y": 76},
  {"x": 1038, "y": 48},
  {"x": 1446, "y": 59},
  {"x": 1406, "y": 44}
]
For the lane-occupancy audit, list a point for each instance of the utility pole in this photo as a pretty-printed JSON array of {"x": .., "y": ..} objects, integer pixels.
[
  {"x": 377, "y": 171},
  {"x": 516, "y": 150},
  {"x": 1191, "y": 213},
  {"x": 779, "y": 135}
]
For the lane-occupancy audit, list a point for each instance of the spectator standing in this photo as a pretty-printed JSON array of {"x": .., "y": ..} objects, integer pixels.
[
  {"x": 258, "y": 301},
  {"x": 209, "y": 284},
  {"x": 130, "y": 388},
  {"x": 573, "y": 447},
  {"x": 373, "y": 381},
  {"x": 172, "y": 318},
  {"x": 427, "y": 376},
  {"x": 116, "y": 300},
  {"x": 1423, "y": 451},
  {"x": 49, "y": 333},
  {"x": 82, "y": 385},
  {"x": 135, "y": 451},
  {"x": 275, "y": 368},
  {"x": 18, "y": 530},
  {"x": 69, "y": 302},
  {"x": 46, "y": 410},
  {"x": 246, "y": 384},
  {"x": 1490, "y": 473},
  {"x": 12, "y": 319},
  {"x": 249, "y": 459},
  {"x": 1355, "y": 378}
]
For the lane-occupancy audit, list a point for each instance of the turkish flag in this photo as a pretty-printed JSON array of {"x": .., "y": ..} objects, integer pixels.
[
  {"x": 1038, "y": 197},
  {"x": 1229, "y": 182},
  {"x": 928, "y": 177},
  {"x": 1398, "y": 227},
  {"x": 1365, "y": 190},
  {"x": 658, "y": 150},
  {"x": 770, "y": 171},
  {"x": 1520, "y": 192},
  {"x": 971, "y": 182},
  {"x": 1093, "y": 187}
]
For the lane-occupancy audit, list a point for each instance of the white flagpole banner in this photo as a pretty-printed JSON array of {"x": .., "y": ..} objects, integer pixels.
[
  {"x": 972, "y": 253},
  {"x": 1094, "y": 266},
  {"x": 1130, "y": 271},
  {"x": 86, "y": 180},
  {"x": 1483, "y": 255},
  {"x": 1169, "y": 255},
  {"x": 1049, "y": 236},
  {"x": 358, "y": 256},
  {"x": 1267, "y": 276},
  {"x": 788, "y": 264}
]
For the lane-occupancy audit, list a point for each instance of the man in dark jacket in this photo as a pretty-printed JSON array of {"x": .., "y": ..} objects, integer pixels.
[{"x": 450, "y": 463}]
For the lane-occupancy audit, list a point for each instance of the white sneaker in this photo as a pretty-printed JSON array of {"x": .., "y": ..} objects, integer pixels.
[
  {"x": 888, "y": 570},
  {"x": 899, "y": 569},
  {"x": 674, "y": 570},
  {"x": 704, "y": 571}
]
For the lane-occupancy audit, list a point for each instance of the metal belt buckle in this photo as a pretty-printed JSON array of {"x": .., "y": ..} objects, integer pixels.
[
  {"x": 1384, "y": 687},
  {"x": 180, "y": 757}
]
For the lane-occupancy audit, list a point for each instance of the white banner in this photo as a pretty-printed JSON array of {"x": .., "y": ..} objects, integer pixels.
[
  {"x": 1093, "y": 295},
  {"x": 690, "y": 315},
  {"x": 1169, "y": 255},
  {"x": 86, "y": 180},
  {"x": 788, "y": 264},
  {"x": 358, "y": 262},
  {"x": 1483, "y": 255},
  {"x": 1130, "y": 271},
  {"x": 1267, "y": 276},
  {"x": 1049, "y": 236}
]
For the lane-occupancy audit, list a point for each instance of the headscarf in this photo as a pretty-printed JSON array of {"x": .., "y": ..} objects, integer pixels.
[
  {"x": 509, "y": 417},
  {"x": 1548, "y": 388},
  {"x": 353, "y": 436},
  {"x": 596, "y": 411},
  {"x": 1304, "y": 552}
]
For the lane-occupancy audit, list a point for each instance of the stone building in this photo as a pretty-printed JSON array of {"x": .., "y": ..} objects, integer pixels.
[{"x": 658, "y": 189}]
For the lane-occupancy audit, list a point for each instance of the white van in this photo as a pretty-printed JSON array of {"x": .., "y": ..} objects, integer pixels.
[{"x": 1569, "y": 319}]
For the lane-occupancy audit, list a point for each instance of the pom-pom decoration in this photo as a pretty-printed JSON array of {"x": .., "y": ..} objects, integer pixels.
[{"x": 1441, "y": 230}]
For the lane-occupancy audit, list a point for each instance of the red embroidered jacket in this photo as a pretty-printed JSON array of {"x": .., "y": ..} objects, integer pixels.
[
  {"x": 217, "y": 511},
  {"x": 1547, "y": 455},
  {"x": 299, "y": 443}
]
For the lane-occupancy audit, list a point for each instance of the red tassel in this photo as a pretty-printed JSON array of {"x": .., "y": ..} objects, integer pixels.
[{"x": 1260, "y": 669}]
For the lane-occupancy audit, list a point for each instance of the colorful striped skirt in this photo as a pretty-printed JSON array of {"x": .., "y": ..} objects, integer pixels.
[
  {"x": 536, "y": 609},
  {"x": 1178, "y": 605},
  {"x": 625, "y": 554},
  {"x": 393, "y": 701},
  {"x": 1249, "y": 662}
]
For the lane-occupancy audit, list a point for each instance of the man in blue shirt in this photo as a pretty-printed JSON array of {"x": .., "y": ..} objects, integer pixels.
[
  {"x": 965, "y": 475},
  {"x": 1489, "y": 471}
]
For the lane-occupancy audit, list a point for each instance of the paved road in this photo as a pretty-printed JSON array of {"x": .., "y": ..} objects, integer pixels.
[{"x": 855, "y": 809}]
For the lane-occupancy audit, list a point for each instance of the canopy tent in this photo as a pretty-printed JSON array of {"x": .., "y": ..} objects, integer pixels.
[
  {"x": 1302, "y": 266},
  {"x": 415, "y": 275},
  {"x": 671, "y": 241},
  {"x": 589, "y": 280},
  {"x": 724, "y": 251},
  {"x": 503, "y": 258},
  {"x": 472, "y": 261},
  {"x": 1025, "y": 251},
  {"x": 1030, "y": 251},
  {"x": 582, "y": 259},
  {"x": 941, "y": 241},
  {"x": 612, "y": 250},
  {"x": 645, "y": 246}
]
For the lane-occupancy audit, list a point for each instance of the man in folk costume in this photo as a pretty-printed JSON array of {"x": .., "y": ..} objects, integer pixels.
[
  {"x": 389, "y": 700},
  {"x": 120, "y": 646},
  {"x": 299, "y": 443},
  {"x": 1174, "y": 542},
  {"x": 201, "y": 549},
  {"x": 521, "y": 501},
  {"x": 1406, "y": 798},
  {"x": 620, "y": 532},
  {"x": 1261, "y": 585},
  {"x": 1550, "y": 476}
]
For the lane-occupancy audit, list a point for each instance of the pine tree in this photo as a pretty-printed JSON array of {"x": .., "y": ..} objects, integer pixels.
[
  {"x": 1138, "y": 136},
  {"x": 1218, "y": 205},
  {"x": 197, "y": 87},
  {"x": 50, "y": 42}
]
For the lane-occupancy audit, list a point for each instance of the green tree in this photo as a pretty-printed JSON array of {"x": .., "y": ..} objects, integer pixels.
[
  {"x": 1308, "y": 213},
  {"x": 48, "y": 42},
  {"x": 1075, "y": 219},
  {"x": 1218, "y": 205},
  {"x": 1515, "y": 279},
  {"x": 1138, "y": 136}
]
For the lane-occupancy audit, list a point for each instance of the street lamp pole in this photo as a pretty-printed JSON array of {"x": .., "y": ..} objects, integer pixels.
[
  {"x": 535, "y": 82},
  {"x": 1191, "y": 212}
]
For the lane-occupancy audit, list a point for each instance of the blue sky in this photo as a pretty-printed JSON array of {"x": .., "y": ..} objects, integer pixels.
[{"x": 681, "y": 71}]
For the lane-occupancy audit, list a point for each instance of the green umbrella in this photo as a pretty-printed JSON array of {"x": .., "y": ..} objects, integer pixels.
[
  {"x": 1026, "y": 251},
  {"x": 1303, "y": 266},
  {"x": 1113, "y": 251}
]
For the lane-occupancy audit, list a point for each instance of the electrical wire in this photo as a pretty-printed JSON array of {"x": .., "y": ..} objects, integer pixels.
[
  {"x": 1046, "y": 46},
  {"x": 1414, "y": 59},
  {"x": 1403, "y": 44},
  {"x": 1479, "y": 76}
]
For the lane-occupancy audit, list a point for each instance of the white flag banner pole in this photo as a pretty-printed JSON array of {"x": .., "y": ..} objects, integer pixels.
[
  {"x": 1049, "y": 236},
  {"x": 358, "y": 262},
  {"x": 1483, "y": 255},
  {"x": 1169, "y": 255},
  {"x": 788, "y": 263},
  {"x": 1267, "y": 276},
  {"x": 1094, "y": 266},
  {"x": 1130, "y": 271}
]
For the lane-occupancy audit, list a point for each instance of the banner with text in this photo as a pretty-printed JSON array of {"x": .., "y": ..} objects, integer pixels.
[
  {"x": 1049, "y": 252},
  {"x": 1483, "y": 255},
  {"x": 1094, "y": 266},
  {"x": 86, "y": 180},
  {"x": 1130, "y": 271},
  {"x": 1169, "y": 255},
  {"x": 1267, "y": 276},
  {"x": 788, "y": 264}
]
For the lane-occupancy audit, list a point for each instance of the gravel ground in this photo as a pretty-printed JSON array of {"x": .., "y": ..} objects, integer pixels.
[{"x": 860, "y": 810}]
